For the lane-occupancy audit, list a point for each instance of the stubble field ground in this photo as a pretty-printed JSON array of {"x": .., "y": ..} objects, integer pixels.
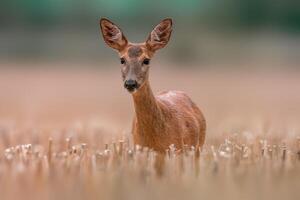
[{"x": 65, "y": 134}]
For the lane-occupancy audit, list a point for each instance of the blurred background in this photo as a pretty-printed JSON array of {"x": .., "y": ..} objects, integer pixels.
[
  {"x": 238, "y": 60},
  {"x": 206, "y": 31}
]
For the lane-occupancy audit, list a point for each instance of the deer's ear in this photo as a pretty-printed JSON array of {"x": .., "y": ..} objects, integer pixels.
[
  {"x": 112, "y": 35},
  {"x": 160, "y": 35}
]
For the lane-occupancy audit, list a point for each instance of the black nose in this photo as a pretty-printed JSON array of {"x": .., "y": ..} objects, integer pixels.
[{"x": 130, "y": 84}]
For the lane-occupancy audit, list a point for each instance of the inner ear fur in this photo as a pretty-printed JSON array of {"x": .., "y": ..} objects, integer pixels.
[
  {"x": 160, "y": 35},
  {"x": 112, "y": 35}
]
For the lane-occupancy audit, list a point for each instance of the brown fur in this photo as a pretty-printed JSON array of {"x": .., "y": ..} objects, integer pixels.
[
  {"x": 134, "y": 52},
  {"x": 168, "y": 118}
]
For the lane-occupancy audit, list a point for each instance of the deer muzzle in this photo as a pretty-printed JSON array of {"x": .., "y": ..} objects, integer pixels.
[{"x": 131, "y": 85}]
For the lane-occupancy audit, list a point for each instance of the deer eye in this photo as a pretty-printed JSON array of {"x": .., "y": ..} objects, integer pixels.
[
  {"x": 146, "y": 61},
  {"x": 122, "y": 60}
]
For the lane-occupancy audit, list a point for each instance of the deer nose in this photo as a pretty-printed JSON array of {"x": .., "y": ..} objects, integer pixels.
[{"x": 130, "y": 85}]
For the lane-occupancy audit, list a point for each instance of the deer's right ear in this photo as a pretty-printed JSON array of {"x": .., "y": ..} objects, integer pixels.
[{"x": 112, "y": 35}]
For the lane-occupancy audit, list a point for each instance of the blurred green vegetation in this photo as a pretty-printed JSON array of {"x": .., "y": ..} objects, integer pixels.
[
  {"x": 67, "y": 29},
  {"x": 231, "y": 14}
]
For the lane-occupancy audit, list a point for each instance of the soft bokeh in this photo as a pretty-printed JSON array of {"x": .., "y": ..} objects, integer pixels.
[
  {"x": 205, "y": 31},
  {"x": 239, "y": 60}
]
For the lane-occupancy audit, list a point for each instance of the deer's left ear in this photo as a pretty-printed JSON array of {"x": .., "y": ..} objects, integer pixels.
[
  {"x": 160, "y": 35},
  {"x": 112, "y": 35}
]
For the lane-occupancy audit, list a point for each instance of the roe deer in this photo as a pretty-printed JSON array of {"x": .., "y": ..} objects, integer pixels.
[{"x": 168, "y": 118}]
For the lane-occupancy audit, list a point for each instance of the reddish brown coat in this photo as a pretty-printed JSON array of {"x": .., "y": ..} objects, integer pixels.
[{"x": 170, "y": 117}]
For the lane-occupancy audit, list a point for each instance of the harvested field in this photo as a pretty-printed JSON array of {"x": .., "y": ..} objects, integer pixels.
[{"x": 65, "y": 134}]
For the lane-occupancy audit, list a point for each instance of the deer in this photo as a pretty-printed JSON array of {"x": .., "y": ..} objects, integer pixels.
[{"x": 169, "y": 118}]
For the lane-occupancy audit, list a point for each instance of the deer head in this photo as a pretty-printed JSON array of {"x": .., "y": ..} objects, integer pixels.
[{"x": 135, "y": 57}]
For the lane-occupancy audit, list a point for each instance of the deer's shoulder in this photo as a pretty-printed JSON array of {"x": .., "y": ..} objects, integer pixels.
[
  {"x": 174, "y": 97},
  {"x": 172, "y": 94}
]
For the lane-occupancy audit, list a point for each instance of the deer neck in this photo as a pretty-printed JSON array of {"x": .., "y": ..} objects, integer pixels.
[{"x": 148, "y": 113}]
